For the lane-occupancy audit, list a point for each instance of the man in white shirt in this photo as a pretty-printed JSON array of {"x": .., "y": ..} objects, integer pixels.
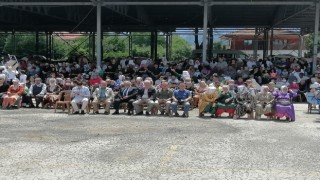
[
  {"x": 252, "y": 62},
  {"x": 80, "y": 95}
]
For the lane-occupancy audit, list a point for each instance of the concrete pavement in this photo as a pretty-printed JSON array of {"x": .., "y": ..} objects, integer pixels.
[{"x": 40, "y": 144}]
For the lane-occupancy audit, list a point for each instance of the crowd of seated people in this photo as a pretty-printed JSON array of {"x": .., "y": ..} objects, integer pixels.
[{"x": 218, "y": 86}]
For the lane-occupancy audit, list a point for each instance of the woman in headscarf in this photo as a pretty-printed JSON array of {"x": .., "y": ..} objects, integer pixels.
[
  {"x": 201, "y": 88},
  {"x": 206, "y": 102},
  {"x": 52, "y": 94},
  {"x": 284, "y": 106},
  {"x": 225, "y": 102},
  {"x": 245, "y": 103},
  {"x": 264, "y": 101},
  {"x": 14, "y": 92}
]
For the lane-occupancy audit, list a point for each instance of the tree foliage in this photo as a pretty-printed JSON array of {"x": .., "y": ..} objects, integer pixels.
[{"x": 113, "y": 46}]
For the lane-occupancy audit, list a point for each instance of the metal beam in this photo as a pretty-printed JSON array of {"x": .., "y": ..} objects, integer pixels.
[
  {"x": 179, "y": 3},
  {"x": 99, "y": 36},
  {"x": 261, "y": 3},
  {"x": 316, "y": 38}
]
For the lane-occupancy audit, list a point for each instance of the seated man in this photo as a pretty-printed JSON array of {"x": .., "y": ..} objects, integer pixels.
[
  {"x": 80, "y": 95},
  {"x": 3, "y": 88},
  {"x": 36, "y": 91},
  {"x": 146, "y": 95},
  {"x": 164, "y": 96},
  {"x": 103, "y": 94},
  {"x": 181, "y": 97},
  {"x": 127, "y": 94}
]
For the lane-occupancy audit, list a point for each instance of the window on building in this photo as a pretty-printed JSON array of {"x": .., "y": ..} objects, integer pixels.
[
  {"x": 247, "y": 42},
  {"x": 279, "y": 44}
]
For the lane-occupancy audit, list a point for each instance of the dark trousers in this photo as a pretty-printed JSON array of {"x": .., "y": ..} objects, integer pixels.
[
  {"x": 117, "y": 102},
  {"x": 38, "y": 101}
]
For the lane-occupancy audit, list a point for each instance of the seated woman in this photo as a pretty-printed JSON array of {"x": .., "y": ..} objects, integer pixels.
[
  {"x": 206, "y": 102},
  {"x": 224, "y": 102},
  {"x": 201, "y": 88},
  {"x": 245, "y": 103},
  {"x": 264, "y": 102},
  {"x": 284, "y": 106},
  {"x": 14, "y": 92},
  {"x": 52, "y": 94}
]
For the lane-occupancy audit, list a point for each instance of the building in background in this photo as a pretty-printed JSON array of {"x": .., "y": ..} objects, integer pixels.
[{"x": 283, "y": 42}]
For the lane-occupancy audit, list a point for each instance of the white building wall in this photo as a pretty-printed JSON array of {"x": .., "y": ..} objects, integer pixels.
[{"x": 275, "y": 52}]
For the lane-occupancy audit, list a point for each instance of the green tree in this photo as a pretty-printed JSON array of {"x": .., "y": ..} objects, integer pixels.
[{"x": 180, "y": 48}]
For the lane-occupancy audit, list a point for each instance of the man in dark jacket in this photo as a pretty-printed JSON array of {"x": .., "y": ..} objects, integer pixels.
[
  {"x": 127, "y": 94},
  {"x": 145, "y": 95}
]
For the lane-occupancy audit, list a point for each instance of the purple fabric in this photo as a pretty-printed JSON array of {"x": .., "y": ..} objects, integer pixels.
[{"x": 287, "y": 111}]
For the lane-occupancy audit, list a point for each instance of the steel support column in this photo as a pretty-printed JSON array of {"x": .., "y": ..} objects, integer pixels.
[
  {"x": 155, "y": 46},
  {"x": 152, "y": 45},
  {"x": 255, "y": 44},
  {"x": 170, "y": 47},
  {"x": 300, "y": 44},
  {"x": 205, "y": 30},
  {"x": 47, "y": 45},
  {"x": 265, "y": 43},
  {"x": 167, "y": 46},
  {"x": 315, "y": 40},
  {"x": 50, "y": 45},
  {"x": 99, "y": 36},
  {"x": 37, "y": 42},
  {"x": 210, "y": 43},
  {"x": 130, "y": 44},
  {"x": 271, "y": 42}
]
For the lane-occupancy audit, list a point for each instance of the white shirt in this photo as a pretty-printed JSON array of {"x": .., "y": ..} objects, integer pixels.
[
  {"x": 123, "y": 63},
  {"x": 23, "y": 78},
  {"x": 250, "y": 64},
  {"x": 145, "y": 94}
]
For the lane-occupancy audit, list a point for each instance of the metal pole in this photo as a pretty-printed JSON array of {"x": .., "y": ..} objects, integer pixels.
[
  {"x": 271, "y": 42},
  {"x": 167, "y": 46},
  {"x": 14, "y": 42},
  {"x": 152, "y": 45},
  {"x": 93, "y": 47},
  {"x": 315, "y": 40},
  {"x": 37, "y": 42},
  {"x": 255, "y": 44},
  {"x": 205, "y": 30},
  {"x": 99, "y": 35},
  {"x": 155, "y": 46},
  {"x": 300, "y": 44},
  {"x": 211, "y": 43},
  {"x": 130, "y": 44}
]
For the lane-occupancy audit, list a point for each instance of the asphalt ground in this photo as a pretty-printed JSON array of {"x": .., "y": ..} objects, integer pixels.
[{"x": 41, "y": 144}]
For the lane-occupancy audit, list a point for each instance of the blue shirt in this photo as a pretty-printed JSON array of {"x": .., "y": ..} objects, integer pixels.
[
  {"x": 102, "y": 93},
  {"x": 180, "y": 95}
]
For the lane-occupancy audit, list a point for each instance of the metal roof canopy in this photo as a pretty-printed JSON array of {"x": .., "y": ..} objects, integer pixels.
[
  {"x": 142, "y": 15},
  {"x": 155, "y": 15}
]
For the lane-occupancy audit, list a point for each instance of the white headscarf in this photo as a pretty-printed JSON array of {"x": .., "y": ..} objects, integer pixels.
[
  {"x": 263, "y": 88},
  {"x": 211, "y": 90},
  {"x": 282, "y": 88},
  {"x": 2, "y": 76}
]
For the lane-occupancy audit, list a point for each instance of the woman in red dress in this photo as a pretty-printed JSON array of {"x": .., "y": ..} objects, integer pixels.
[{"x": 14, "y": 92}]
